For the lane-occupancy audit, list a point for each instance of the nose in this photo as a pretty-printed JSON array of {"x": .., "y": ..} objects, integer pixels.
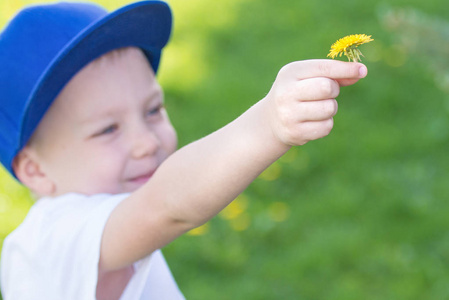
[{"x": 145, "y": 142}]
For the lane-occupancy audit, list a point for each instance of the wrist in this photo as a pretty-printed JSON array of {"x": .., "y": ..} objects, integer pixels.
[{"x": 266, "y": 130}]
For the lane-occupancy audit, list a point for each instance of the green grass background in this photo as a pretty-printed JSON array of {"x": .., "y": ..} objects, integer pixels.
[{"x": 361, "y": 214}]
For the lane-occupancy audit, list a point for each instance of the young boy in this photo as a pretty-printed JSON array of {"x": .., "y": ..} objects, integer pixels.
[{"x": 83, "y": 125}]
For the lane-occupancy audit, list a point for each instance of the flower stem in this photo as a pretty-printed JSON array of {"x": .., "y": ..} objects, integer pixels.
[{"x": 353, "y": 54}]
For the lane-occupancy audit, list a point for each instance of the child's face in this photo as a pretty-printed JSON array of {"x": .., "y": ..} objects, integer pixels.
[{"x": 107, "y": 132}]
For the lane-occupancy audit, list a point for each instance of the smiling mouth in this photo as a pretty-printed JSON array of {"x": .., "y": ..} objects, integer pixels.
[{"x": 142, "y": 178}]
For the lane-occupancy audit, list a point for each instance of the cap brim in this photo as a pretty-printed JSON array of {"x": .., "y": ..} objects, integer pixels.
[{"x": 146, "y": 25}]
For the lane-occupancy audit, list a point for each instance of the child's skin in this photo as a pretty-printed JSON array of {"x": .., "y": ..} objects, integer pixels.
[{"x": 107, "y": 132}]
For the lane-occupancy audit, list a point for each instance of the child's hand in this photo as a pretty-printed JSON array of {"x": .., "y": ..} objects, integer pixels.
[
  {"x": 302, "y": 101},
  {"x": 201, "y": 178}
]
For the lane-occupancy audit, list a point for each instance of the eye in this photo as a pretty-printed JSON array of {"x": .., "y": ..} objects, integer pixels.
[
  {"x": 155, "y": 111},
  {"x": 108, "y": 130}
]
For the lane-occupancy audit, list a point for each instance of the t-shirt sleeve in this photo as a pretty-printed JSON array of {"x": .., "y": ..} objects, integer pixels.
[{"x": 55, "y": 252}]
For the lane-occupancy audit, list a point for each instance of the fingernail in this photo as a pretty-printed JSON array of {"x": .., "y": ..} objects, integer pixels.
[{"x": 363, "y": 71}]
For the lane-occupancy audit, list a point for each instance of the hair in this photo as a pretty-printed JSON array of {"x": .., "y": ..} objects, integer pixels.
[{"x": 113, "y": 55}]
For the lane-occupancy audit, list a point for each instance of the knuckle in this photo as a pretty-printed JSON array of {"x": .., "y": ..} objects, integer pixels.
[
  {"x": 335, "y": 104},
  {"x": 328, "y": 125},
  {"x": 283, "y": 70},
  {"x": 329, "y": 88},
  {"x": 327, "y": 109},
  {"x": 286, "y": 68},
  {"x": 326, "y": 87},
  {"x": 335, "y": 89},
  {"x": 331, "y": 107}
]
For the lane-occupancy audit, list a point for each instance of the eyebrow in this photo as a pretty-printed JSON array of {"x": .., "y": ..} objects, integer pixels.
[
  {"x": 155, "y": 95},
  {"x": 98, "y": 115}
]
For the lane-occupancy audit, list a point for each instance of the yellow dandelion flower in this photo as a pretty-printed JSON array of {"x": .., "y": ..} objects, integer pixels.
[{"x": 348, "y": 46}]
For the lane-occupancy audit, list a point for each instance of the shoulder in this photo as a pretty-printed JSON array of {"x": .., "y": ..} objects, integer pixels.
[
  {"x": 58, "y": 234},
  {"x": 53, "y": 217},
  {"x": 66, "y": 205}
]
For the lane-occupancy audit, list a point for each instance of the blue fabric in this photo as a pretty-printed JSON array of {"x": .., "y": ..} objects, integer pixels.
[{"x": 45, "y": 45}]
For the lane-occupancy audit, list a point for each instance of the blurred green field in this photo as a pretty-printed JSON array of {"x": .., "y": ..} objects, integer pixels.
[{"x": 361, "y": 214}]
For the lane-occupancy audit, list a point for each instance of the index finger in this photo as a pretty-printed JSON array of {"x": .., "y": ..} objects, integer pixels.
[{"x": 333, "y": 69}]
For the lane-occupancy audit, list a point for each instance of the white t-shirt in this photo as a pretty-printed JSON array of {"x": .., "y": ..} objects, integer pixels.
[{"x": 54, "y": 253}]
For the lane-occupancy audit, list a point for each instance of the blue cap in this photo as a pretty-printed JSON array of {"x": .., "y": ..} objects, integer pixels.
[{"x": 44, "y": 46}]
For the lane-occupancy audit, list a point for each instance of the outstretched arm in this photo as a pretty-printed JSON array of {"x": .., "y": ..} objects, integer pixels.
[{"x": 202, "y": 178}]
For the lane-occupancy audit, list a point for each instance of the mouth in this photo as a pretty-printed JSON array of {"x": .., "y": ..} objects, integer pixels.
[{"x": 141, "y": 179}]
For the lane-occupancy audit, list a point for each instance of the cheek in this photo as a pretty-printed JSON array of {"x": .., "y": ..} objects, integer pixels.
[
  {"x": 167, "y": 136},
  {"x": 58, "y": 159},
  {"x": 170, "y": 140},
  {"x": 99, "y": 172},
  {"x": 90, "y": 163}
]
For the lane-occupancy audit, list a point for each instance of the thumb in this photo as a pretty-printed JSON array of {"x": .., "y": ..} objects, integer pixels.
[{"x": 350, "y": 81}]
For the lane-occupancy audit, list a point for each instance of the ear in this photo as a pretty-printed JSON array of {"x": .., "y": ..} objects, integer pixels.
[{"x": 28, "y": 170}]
